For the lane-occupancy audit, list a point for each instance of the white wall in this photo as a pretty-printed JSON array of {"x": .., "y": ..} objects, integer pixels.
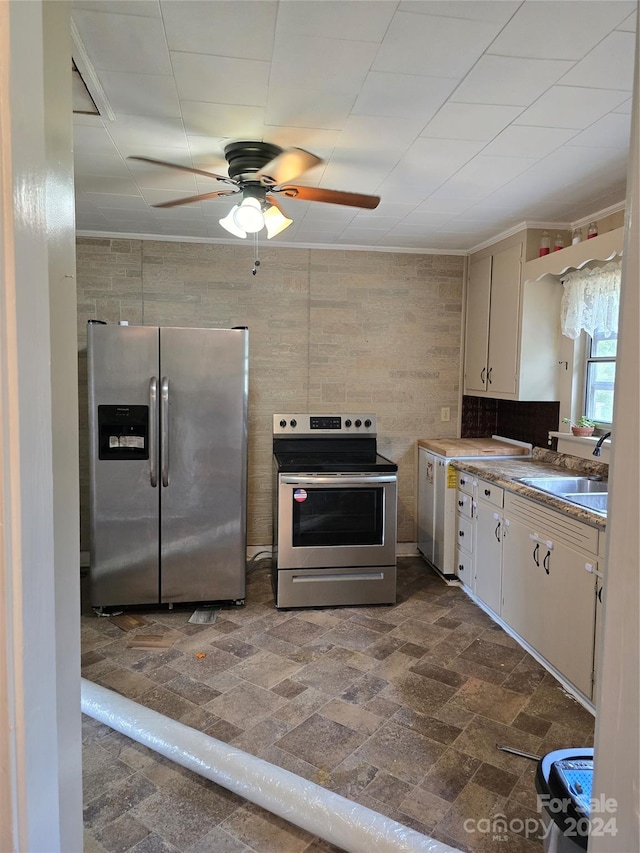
[
  {"x": 617, "y": 756},
  {"x": 39, "y": 620}
]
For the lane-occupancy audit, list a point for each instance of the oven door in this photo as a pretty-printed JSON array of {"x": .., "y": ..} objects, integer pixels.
[{"x": 337, "y": 520}]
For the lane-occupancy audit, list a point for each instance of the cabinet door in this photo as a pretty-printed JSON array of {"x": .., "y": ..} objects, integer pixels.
[
  {"x": 426, "y": 503},
  {"x": 521, "y": 608},
  {"x": 568, "y": 593},
  {"x": 488, "y": 555},
  {"x": 477, "y": 325},
  {"x": 504, "y": 331}
]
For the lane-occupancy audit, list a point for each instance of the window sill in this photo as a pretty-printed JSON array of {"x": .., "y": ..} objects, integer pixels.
[{"x": 578, "y": 445}]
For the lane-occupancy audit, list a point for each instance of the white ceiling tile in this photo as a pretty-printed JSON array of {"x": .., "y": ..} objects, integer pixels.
[
  {"x": 520, "y": 141},
  {"x": 571, "y": 106},
  {"x": 223, "y": 120},
  {"x": 484, "y": 175},
  {"x": 625, "y": 107},
  {"x": 142, "y": 8},
  {"x": 321, "y": 63},
  {"x": 108, "y": 201},
  {"x": 547, "y": 29},
  {"x": 607, "y": 66},
  {"x": 439, "y": 202},
  {"x": 107, "y": 184},
  {"x": 155, "y": 177},
  {"x": 93, "y": 140},
  {"x": 470, "y": 121},
  {"x": 476, "y": 10},
  {"x": 509, "y": 80},
  {"x": 402, "y": 95},
  {"x": 220, "y": 79},
  {"x": 86, "y": 163},
  {"x": 366, "y": 20},
  {"x": 353, "y": 175},
  {"x": 378, "y": 134},
  {"x": 629, "y": 24},
  {"x": 220, "y": 28},
  {"x": 90, "y": 222},
  {"x": 322, "y": 109},
  {"x": 437, "y": 46},
  {"x": 136, "y": 134},
  {"x": 141, "y": 94},
  {"x": 612, "y": 130},
  {"x": 118, "y": 42}
]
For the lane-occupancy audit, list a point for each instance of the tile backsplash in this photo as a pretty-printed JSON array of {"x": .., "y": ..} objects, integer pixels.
[{"x": 523, "y": 421}]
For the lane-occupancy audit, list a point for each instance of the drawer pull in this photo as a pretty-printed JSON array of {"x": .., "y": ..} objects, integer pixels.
[
  {"x": 460, "y": 567},
  {"x": 487, "y": 492},
  {"x": 460, "y": 533}
]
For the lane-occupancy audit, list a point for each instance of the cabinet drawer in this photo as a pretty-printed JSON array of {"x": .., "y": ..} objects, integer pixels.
[
  {"x": 466, "y": 483},
  {"x": 490, "y": 493},
  {"x": 464, "y": 533},
  {"x": 464, "y": 566},
  {"x": 464, "y": 504}
]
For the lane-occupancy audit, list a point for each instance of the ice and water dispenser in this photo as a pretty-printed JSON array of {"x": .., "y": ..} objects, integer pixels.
[{"x": 123, "y": 432}]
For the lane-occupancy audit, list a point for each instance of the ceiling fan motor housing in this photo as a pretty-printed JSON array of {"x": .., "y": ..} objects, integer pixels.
[{"x": 247, "y": 158}]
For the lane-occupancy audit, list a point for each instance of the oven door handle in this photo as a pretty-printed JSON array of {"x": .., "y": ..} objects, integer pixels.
[{"x": 338, "y": 479}]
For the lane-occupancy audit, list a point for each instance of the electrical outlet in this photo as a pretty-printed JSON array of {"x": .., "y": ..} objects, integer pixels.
[{"x": 445, "y": 413}]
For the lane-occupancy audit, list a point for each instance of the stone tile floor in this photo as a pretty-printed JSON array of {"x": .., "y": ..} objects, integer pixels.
[{"x": 399, "y": 708}]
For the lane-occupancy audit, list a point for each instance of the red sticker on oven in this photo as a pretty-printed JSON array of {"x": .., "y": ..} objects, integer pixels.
[{"x": 300, "y": 495}]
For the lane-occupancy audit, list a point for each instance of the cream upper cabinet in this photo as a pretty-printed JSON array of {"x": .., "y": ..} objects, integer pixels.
[{"x": 512, "y": 334}]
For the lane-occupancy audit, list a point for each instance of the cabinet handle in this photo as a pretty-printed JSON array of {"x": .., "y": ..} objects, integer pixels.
[
  {"x": 489, "y": 376},
  {"x": 535, "y": 554},
  {"x": 461, "y": 533},
  {"x": 600, "y": 595},
  {"x": 461, "y": 568},
  {"x": 460, "y": 503},
  {"x": 482, "y": 373},
  {"x": 487, "y": 492},
  {"x": 496, "y": 532},
  {"x": 545, "y": 562}
]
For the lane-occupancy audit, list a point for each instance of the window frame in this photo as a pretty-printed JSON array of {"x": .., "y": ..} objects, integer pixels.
[{"x": 589, "y": 387}]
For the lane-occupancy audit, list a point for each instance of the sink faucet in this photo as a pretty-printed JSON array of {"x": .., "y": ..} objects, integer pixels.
[{"x": 596, "y": 449}]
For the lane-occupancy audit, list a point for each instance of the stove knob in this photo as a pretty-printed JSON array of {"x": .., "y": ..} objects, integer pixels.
[
  {"x": 367, "y": 423},
  {"x": 347, "y": 423},
  {"x": 294, "y": 422},
  {"x": 283, "y": 423},
  {"x": 358, "y": 423}
]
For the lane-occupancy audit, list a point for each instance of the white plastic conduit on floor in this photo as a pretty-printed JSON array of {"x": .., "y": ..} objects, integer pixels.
[{"x": 348, "y": 825}]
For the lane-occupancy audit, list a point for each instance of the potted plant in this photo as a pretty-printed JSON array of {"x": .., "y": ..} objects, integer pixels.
[{"x": 583, "y": 426}]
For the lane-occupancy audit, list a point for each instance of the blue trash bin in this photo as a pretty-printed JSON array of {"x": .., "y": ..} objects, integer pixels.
[{"x": 564, "y": 780}]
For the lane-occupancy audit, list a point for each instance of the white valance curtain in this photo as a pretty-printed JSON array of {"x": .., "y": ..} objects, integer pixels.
[{"x": 591, "y": 301}]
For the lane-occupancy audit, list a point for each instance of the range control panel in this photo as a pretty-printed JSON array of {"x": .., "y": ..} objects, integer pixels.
[{"x": 305, "y": 424}]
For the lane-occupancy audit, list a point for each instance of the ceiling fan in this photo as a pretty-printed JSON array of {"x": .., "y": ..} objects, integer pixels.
[{"x": 261, "y": 172}]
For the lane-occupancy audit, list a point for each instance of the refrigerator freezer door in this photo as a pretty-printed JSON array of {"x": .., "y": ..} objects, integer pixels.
[
  {"x": 204, "y": 383},
  {"x": 122, "y": 363}
]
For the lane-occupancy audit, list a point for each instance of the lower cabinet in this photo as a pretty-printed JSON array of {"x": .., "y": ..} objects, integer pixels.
[
  {"x": 549, "y": 586},
  {"x": 490, "y": 528}
]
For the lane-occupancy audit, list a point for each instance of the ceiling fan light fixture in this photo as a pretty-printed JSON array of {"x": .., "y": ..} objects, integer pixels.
[
  {"x": 248, "y": 217},
  {"x": 228, "y": 222},
  {"x": 275, "y": 221}
]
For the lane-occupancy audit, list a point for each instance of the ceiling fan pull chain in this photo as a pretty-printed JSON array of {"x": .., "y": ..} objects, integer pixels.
[{"x": 256, "y": 263}]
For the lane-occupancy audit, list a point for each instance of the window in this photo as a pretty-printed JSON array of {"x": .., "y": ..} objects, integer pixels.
[{"x": 601, "y": 377}]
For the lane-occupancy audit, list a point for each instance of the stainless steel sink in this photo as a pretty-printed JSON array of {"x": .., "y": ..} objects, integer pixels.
[
  {"x": 585, "y": 491},
  {"x": 566, "y": 485},
  {"x": 595, "y": 501}
]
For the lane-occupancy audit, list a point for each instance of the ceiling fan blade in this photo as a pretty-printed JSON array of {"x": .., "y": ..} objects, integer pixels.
[
  {"x": 182, "y": 168},
  {"x": 287, "y": 166},
  {"x": 178, "y": 201},
  {"x": 370, "y": 202}
]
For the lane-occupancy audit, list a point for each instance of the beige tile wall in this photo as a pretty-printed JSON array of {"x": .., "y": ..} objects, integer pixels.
[{"x": 329, "y": 331}]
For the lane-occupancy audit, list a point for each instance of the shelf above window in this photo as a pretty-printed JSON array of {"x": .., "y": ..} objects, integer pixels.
[{"x": 603, "y": 248}]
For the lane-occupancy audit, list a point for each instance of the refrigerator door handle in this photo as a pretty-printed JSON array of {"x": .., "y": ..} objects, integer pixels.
[
  {"x": 153, "y": 431},
  {"x": 164, "y": 430}
]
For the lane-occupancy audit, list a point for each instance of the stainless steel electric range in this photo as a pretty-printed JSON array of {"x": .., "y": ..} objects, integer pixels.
[{"x": 334, "y": 514}]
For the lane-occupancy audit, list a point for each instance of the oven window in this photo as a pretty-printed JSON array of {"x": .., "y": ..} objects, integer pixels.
[{"x": 338, "y": 517}]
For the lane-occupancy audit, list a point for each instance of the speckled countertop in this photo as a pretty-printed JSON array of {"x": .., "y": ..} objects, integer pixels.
[{"x": 542, "y": 463}]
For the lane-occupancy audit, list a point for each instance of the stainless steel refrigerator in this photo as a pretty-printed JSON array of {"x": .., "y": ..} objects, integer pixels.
[{"x": 168, "y": 464}]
